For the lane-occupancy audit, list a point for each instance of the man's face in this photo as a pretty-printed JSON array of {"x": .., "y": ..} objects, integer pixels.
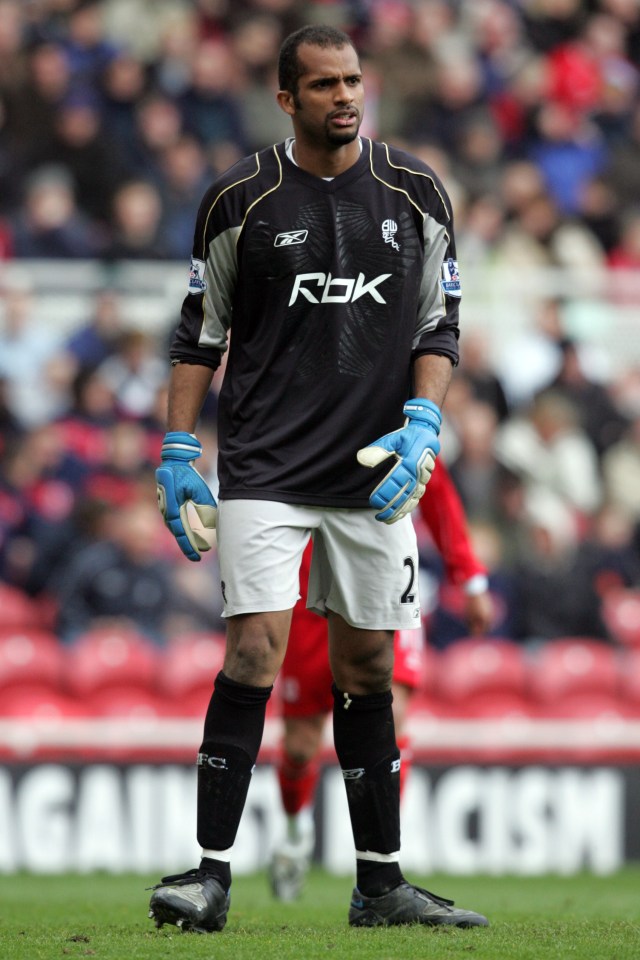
[{"x": 329, "y": 104}]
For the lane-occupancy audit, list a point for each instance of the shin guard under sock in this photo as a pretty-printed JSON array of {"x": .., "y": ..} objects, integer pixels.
[
  {"x": 233, "y": 730},
  {"x": 365, "y": 743}
]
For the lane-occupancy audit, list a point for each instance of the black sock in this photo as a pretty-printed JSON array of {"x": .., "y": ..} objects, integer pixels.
[
  {"x": 365, "y": 743},
  {"x": 233, "y": 730}
]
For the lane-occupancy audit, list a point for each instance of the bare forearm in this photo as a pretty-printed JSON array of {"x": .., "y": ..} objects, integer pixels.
[
  {"x": 188, "y": 388},
  {"x": 431, "y": 377}
]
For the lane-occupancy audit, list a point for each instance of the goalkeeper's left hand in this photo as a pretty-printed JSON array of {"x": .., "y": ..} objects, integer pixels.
[
  {"x": 179, "y": 484},
  {"x": 415, "y": 446}
]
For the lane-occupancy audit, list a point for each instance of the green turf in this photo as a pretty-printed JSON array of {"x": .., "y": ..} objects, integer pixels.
[{"x": 574, "y": 918}]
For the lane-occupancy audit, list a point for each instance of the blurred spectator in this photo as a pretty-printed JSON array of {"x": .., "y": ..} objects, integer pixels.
[
  {"x": 186, "y": 176},
  {"x": 135, "y": 373},
  {"x": 623, "y": 169},
  {"x": 482, "y": 224},
  {"x": 211, "y": 104},
  {"x": 604, "y": 38},
  {"x": 122, "y": 87},
  {"x": 125, "y": 470},
  {"x": 136, "y": 223},
  {"x": 621, "y": 471},
  {"x": 599, "y": 416},
  {"x": 476, "y": 366},
  {"x": 610, "y": 549},
  {"x": 158, "y": 126},
  {"x": 120, "y": 580},
  {"x": 88, "y": 51},
  {"x": 97, "y": 338},
  {"x": 532, "y": 357},
  {"x": 50, "y": 226},
  {"x": 12, "y": 54},
  {"x": 478, "y": 156},
  {"x": 33, "y": 363},
  {"x": 555, "y": 593},
  {"x": 177, "y": 42},
  {"x": 548, "y": 449},
  {"x": 599, "y": 210},
  {"x": 39, "y": 480},
  {"x": 32, "y": 105},
  {"x": 162, "y": 19},
  {"x": 569, "y": 150},
  {"x": 454, "y": 101},
  {"x": 475, "y": 469},
  {"x": 84, "y": 427},
  {"x": 626, "y": 253},
  {"x": 80, "y": 144}
]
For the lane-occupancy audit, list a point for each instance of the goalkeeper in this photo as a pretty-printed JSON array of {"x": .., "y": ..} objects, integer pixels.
[{"x": 326, "y": 266}]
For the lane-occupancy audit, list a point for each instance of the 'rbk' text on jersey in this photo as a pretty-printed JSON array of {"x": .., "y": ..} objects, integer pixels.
[{"x": 351, "y": 290}]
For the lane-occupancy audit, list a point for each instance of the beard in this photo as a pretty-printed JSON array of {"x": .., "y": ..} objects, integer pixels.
[{"x": 340, "y": 139}]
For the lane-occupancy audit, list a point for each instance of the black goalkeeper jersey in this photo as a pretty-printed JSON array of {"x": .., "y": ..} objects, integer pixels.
[{"x": 324, "y": 292}]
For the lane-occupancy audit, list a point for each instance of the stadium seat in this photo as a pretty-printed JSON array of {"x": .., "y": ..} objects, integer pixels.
[
  {"x": 580, "y": 705},
  {"x": 28, "y": 656},
  {"x": 38, "y": 702},
  {"x": 188, "y": 667},
  {"x": 572, "y": 666},
  {"x": 630, "y": 680},
  {"x": 621, "y": 615},
  {"x": 130, "y": 703},
  {"x": 499, "y": 705},
  {"x": 105, "y": 658},
  {"x": 472, "y": 671},
  {"x": 17, "y": 610}
]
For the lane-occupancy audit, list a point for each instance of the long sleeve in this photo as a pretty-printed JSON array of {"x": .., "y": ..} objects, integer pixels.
[{"x": 442, "y": 511}]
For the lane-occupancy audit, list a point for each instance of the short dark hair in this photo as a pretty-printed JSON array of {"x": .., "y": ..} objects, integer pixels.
[{"x": 318, "y": 35}]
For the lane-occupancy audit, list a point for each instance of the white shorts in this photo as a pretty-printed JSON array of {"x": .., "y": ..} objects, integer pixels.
[{"x": 362, "y": 569}]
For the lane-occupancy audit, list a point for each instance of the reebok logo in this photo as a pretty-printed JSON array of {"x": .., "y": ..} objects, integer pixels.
[
  {"x": 328, "y": 289},
  {"x": 290, "y": 237}
]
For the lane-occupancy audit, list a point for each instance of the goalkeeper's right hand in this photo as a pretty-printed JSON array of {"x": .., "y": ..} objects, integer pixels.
[{"x": 178, "y": 485}]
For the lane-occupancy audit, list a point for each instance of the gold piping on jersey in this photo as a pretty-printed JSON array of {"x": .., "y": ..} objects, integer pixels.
[
  {"x": 222, "y": 192},
  {"x": 415, "y": 173},
  {"x": 236, "y": 183},
  {"x": 266, "y": 193}
]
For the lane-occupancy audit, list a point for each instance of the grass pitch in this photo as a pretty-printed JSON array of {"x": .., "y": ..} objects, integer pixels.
[{"x": 573, "y": 918}]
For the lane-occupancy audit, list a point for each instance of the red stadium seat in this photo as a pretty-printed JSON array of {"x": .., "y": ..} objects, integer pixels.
[
  {"x": 500, "y": 705},
  {"x": 630, "y": 680},
  {"x": 29, "y": 656},
  {"x": 17, "y": 610},
  {"x": 571, "y": 666},
  {"x": 38, "y": 702},
  {"x": 130, "y": 703},
  {"x": 105, "y": 658},
  {"x": 189, "y": 666},
  {"x": 474, "y": 670},
  {"x": 585, "y": 706},
  {"x": 621, "y": 614}
]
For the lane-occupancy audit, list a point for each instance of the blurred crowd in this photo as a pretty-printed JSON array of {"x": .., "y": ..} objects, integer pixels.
[{"x": 114, "y": 117}]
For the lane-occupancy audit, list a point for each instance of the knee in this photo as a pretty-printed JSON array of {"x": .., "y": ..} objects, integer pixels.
[
  {"x": 370, "y": 673},
  {"x": 254, "y": 655}
]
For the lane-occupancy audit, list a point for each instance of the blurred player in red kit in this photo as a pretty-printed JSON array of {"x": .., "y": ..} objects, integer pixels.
[{"x": 306, "y": 680}]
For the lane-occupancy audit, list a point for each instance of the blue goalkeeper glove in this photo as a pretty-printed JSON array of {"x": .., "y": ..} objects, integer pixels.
[
  {"x": 178, "y": 485},
  {"x": 415, "y": 446}
]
